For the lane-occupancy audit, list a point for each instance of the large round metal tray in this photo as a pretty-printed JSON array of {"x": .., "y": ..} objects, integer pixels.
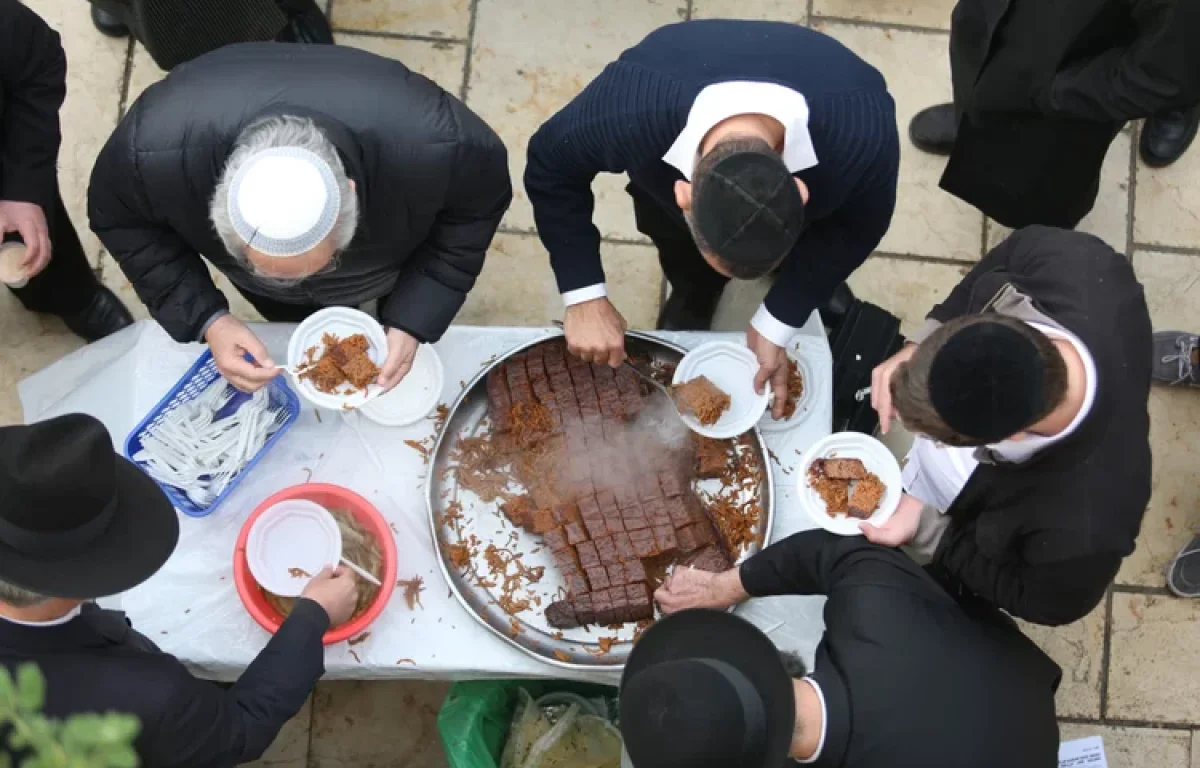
[{"x": 580, "y": 649}]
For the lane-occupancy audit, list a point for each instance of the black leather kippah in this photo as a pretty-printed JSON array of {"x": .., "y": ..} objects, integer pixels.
[
  {"x": 987, "y": 382},
  {"x": 749, "y": 210}
]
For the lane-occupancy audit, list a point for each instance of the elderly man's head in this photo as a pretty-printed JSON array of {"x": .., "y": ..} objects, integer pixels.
[{"x": 284, "y": 206}]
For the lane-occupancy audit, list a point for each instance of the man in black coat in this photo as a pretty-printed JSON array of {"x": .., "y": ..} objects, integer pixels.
[
  {"x": 1027, "y": 390},
  {"x": 78, "y": 522},
  {"x": 1042, "y": 88},
  {"x": 328, "y": 177},
  {"x": 904, "y": 675},
  {"x": 54, "y": 275}
]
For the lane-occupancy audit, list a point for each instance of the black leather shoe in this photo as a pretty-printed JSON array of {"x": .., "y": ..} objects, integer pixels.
[
  {"x": 934, "y": 129},
  {"x": 834, "y": 311},
  {"x": 306, "y": 23},
  {"x": 688, "y": 309},
  {"x": 104, "y": 315},
  {"x": 1166, "y": 137},
  {"x": 108, "y": 24}
]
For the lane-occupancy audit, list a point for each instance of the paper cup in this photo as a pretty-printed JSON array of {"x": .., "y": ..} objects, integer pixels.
[
  {"x": 731, "y": 367},
  {"x": 341, "y": 322},
  {"x": 293, "y": 536},
  {"x": 12, "y": 273},
  {"x": 877, "y": 459},
  {"x": 414, "y": 397}
]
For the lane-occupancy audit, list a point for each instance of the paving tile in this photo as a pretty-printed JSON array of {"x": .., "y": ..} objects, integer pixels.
[
  {"x": 1167, "y": 203},
  {"x": 766, "y": 10},
  {"x": 1153, "y": 648},
  {"x": 928, "y": 221},
  {"x": 1134, "y": 747},
  {"x": 377, "y": 724},
  {"x": 1078, "y": 648},
  {"x": 440, "y": 62},
  {"x": 907, "y": 289},
  {"x": 434, "y": 18},
  {"x": 143, "y": 73},
  {"x": 517, "y": 286},
  {"x": 290, "y": 748},
  {"x": 1109, "y": 217},
  {"x": 1195, "y": 749},
  {"x": 916, "y": 13},
  {"x": 95, "y": 67},
  {"x": 516, "y": 86},
  {"x": 28, "y": 343},
  {"x": 1172, "y": 284},
  {"x": 112, "y": 276}
]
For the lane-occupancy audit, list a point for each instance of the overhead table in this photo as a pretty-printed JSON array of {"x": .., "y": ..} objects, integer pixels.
[{"x": 190, "y": 607}]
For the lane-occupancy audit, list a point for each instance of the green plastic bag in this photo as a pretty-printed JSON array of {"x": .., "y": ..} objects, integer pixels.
[{"x": 475, "y": 717}]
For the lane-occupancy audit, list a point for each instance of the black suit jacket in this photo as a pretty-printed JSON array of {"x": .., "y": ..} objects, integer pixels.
[
  {"x": 97, "y": 663},
  {"x": 910, "y": 678}
]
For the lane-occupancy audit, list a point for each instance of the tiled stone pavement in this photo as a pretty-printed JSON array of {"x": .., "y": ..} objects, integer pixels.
[{"x": 1131, "y": 668}]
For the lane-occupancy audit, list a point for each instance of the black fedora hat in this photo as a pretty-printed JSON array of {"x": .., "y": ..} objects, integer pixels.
[
  {"x": 706, "y": 688},
  {"x": 77, "y": 520}
]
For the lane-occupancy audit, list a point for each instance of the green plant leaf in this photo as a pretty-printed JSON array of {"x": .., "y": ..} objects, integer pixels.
[
  {"x": 8, "y": 691},
  {"x": 31, "y": 688},
  {"x": 5, "y": 760}
]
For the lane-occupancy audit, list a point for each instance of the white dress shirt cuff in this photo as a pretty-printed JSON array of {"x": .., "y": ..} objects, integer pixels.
[
  {"x": 815, "y": 756},
  {"x": 774, "y": 331},
  {"x": 580, "y": 295}
]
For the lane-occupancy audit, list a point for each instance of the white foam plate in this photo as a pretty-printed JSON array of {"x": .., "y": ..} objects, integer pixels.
[
  {"x": 341, "y": 322},
  {"x": 732, "y": 368},
  {"x": 414, "y": 397},
  {"x": 877, "y": 459},
  {"x": 804, "y": 405},
  {"x": 295, "y": 533}
]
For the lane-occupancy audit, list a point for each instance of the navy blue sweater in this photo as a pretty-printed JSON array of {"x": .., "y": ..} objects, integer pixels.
[{"x": 628, "y": 117}]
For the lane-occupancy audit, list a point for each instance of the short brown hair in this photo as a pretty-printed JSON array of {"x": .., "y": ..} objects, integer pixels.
[{"x": 910, "y": 383}]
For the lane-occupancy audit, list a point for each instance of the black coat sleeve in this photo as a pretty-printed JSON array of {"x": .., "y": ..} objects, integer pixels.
[
  {"x": 831, "y": 249},
  {"x": 205, "y": 725},
  {"x": 435, "y": 280},
  {"x": 1158, "y": 72},
  {"x": 33, "y": 84},
  {"x": 170, "y": 278},
  {"x": 818, "y": 562}
]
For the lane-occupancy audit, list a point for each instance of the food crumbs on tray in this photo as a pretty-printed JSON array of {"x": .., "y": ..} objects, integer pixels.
[
  {"x": 360, "y": 639},
  {"x": 514, "y": 627},
  {"x": 419, "y": 447},
  {"x": 406, "y": 661},
  {"x": 558, "y": 635},
  {"x": 563, "y": 657},
  {"x": 299, "y": 573},
  {"x": 412, "y": 591},
  {"x": 355, "y": 655}
]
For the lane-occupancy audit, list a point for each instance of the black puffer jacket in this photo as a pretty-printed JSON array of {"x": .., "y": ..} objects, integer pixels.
[{"x": 432, "y": 181}]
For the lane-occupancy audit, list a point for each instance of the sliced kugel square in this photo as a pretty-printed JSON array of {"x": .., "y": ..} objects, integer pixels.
[
  {"x": 564, "y": 558},
  {"x": 584, "y": 612},
  {"x": 624, "y": 546},
  {"x": 596, "y": 527},
  {"x": 686, "y": 539},
  {"x": 575, "y": 533},
  {"x": 678, "y": 512},
  {"x": 555, "y": 539},
  {"x": 543, "y": 520},
  {"x": 704, "y": 532},
  {"x": 664, "y": 539},
  {"x": 647, "y": 487},
  {"x": 587, "y": 554},
  {"x": 616, "y": 574},
  {"x": 634, "y": 571},
  {"x": 614, "y": 524},
  {"x": 643, "y": 543},
  {"x": 576, "y": 583},
  {"x": 606, "y": 549},
  {"x": 670, "y": 483},
  {"x": 656, "y": 513},
  {"x": 603, "y": 603},
  {"x": 598, "y": 578}
]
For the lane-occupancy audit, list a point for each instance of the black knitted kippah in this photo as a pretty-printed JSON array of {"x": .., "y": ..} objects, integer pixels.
[
  {"x": 749, "y": 210},
  {"x": 986, "y": 382}
]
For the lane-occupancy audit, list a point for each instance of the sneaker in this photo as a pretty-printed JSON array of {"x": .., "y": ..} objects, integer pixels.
[
  {"x": 1183, "y": 577},
  {"x": 1176, "y": 358}
]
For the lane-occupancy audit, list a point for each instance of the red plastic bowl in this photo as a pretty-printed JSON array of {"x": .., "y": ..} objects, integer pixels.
[{"x": 330, "y": 497}]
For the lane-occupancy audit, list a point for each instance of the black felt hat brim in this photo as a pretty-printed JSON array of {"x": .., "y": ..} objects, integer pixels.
[
  {"x": 708, "y": 634},
  {"x": 141, "y": 536}
]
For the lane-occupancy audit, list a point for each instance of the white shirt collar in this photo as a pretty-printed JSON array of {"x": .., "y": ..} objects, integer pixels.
[
  {"x": 52, "y": 623},
  {"x": 721, "y": 101}
]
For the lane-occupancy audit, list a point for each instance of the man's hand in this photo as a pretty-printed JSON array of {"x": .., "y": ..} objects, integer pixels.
[
  {"x": 772, "y": 367},
  {"x": 881, "y": 386},
  {"x": 28, "y": 220},
  {"x": 900, "y": 528},
  {"x": 402, "y": 348},
  {"x": 230, "y": 340},
  {"x": 595, "y": 332},
  {"x": 688, "y": 587},
  {"x": 336, "y": 591}
]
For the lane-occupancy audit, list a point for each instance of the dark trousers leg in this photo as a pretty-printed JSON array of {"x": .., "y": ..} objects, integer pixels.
[
  {"x": 677, "y": 252},
  {"x": 67, "y": 283}
]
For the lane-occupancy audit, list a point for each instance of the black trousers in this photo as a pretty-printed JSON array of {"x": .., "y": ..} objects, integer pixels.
[
  {"x": 677, "y": 252},
  {"x": 67, "y": 283}
]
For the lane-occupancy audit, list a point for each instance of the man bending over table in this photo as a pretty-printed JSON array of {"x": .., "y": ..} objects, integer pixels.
[
  {"x": 1027, "y": 391},
  {"x": 309, "y": 175},
  {"x": 79, "y": 522}
]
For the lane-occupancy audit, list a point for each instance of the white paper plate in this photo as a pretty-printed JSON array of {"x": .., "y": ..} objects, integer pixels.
[
  {"x": 804, "y": 405},
  {"x": 732, "y": 368},
  {"x": 341, "y": 322},
  {"x": 414, "y": 397},
  {"x": 295, "y": 533},
  {"x": 877, "y": 459}
]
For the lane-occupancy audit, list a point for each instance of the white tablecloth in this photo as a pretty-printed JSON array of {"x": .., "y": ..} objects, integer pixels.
[{"x": 191, "y": 609}]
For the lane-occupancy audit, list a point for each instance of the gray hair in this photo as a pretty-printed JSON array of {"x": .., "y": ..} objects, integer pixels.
[
  {"x": 18, "y": 597},
  {"x": 282, "y": 131}
]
